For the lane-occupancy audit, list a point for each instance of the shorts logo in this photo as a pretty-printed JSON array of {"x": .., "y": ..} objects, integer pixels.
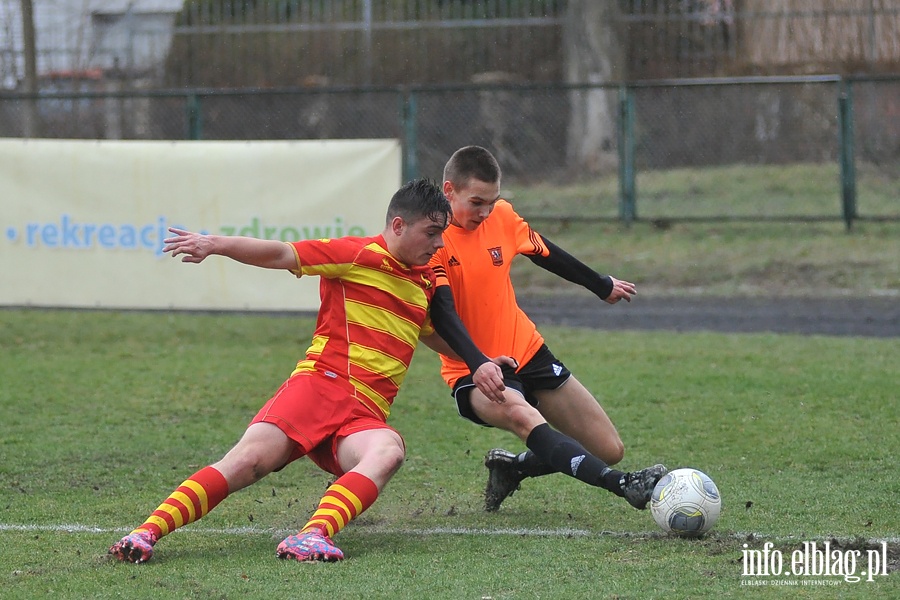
[
  {"x": 496, "y": 256},
  {"x": 557, "y": 369}
]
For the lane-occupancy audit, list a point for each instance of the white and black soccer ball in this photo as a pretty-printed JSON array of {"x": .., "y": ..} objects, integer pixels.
[{"x": 686, "y": 502}]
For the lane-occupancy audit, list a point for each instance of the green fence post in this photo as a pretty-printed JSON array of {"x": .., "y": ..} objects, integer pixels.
[
  {"x": 410, "y": 150},
  {"x": 846, "y": 153},
  {"x": 194, "y": 118},
  {"x": 627, "y": 202}
]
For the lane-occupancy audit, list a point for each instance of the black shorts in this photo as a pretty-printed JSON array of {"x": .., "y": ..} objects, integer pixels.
[{"x": 543, "y": 372}]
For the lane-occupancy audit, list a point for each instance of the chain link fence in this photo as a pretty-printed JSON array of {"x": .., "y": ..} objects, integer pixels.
[{"x": 735, "y": 131}]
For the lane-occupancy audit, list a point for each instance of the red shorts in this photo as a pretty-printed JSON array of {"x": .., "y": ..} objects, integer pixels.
[{"x": 316, "y": 412}]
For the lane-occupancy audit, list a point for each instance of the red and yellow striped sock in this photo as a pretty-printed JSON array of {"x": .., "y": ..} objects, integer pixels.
[
  {"x": 343, "y": 501},
  {"x": 193, "y": 499}
]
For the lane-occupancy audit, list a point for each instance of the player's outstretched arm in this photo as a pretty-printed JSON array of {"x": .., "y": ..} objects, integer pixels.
[
  {"x": 195, "y": 247},
  {"x": 561, "y": 263}
]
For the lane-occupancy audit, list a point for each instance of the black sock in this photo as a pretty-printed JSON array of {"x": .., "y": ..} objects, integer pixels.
[
  {"x": 568, "y": 456},
  {"x": 532, "y": 466}
]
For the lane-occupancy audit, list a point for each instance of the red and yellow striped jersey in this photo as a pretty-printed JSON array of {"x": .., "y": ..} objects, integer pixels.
[
  {"x": 476, "y": 264},
  {"x": 373, "y": 310}
]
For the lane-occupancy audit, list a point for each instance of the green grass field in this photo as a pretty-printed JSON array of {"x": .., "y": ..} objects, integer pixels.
[
  {"x": 810, "y": 190},
  {"x": 104, "y": 413},
  {"x": 745, "y": 258}
]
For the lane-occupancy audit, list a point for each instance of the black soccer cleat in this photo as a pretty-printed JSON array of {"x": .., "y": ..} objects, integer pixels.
[
  {"x": 638, "y": 485},
  {"x": 504, "y": 478}
]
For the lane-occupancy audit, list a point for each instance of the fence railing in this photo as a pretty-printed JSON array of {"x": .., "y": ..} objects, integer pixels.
[{"x": 845, "y": 130}]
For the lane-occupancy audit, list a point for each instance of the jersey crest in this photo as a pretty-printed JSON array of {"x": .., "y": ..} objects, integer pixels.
[{"x": 496, "y": 256}]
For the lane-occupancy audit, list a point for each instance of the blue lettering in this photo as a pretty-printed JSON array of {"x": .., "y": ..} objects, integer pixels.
[
  {"x": 127, "y": 236},
  {"x": 88, "y": 230},
  {"x": 147, "y": 236},
  {"x": 107, "y": 236},
  {"x": 30, "y": 230},
  {"x": 70, "y": 233},
  {"x": 50, "y": 236},
  {"x": 163, "y": 234}
]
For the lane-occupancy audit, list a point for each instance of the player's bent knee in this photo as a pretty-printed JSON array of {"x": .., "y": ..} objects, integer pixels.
[
  {"x": 394, "y": 459},
  {"x": 521, "y": 420},
  {"x": 389, "y": 457},
  {"x": 244, "y": 467},
  {"x": 616, "y": 453}
]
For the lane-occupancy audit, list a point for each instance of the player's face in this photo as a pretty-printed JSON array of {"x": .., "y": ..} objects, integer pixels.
[
  {"x": 473, "y": 202},
  {"x": 416, "y": 242}
]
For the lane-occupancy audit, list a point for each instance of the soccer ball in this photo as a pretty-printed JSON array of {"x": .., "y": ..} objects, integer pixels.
[{"x": 686, "y": 502}]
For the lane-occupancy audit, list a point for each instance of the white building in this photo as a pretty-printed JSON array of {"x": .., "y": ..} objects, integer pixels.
[{"x": 88, "y": 39}]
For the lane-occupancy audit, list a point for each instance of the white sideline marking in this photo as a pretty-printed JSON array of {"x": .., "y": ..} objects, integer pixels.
[
  {"x": 77, "y": 528},
  {"x": 526, "y": 532}
]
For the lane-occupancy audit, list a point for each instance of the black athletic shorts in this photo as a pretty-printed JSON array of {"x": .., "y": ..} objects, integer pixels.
[{"x": 543, "y": 372}]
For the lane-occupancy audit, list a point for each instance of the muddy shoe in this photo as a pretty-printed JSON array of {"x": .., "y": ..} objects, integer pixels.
[
  {"x": 638, "y": 485},
  {"x": 504, "y": 478},
  {"x": 309, "y": 546},
  {"x": 134, "y": 547}
]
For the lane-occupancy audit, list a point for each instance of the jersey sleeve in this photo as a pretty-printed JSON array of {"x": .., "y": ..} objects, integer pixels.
[
  {"x": 528, "y": 241},
  {"x": 328, "y": 258},
  {"x": 559, "y": 262},
  {"x": 438, "y": 264},
  {"x": 449, "y": 326}
]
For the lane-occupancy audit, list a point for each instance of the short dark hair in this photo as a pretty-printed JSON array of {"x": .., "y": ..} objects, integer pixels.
[
  {"x": 418, "y": 199},
  {"x": 469, "y": 162}
]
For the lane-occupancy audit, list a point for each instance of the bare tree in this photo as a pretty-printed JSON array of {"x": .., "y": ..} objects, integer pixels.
[{"x": 594, "y": 53}]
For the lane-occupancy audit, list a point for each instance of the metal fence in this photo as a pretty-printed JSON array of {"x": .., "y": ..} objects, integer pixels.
[
  {"x": 846, "y": 129},
  {"x": 246, "y": 43}
]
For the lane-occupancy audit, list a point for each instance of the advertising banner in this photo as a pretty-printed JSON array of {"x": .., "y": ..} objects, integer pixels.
[{"x": 82, "y": 222}]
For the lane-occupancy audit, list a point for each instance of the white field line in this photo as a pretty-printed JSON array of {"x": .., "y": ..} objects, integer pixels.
[{"x": 364, "y": 530}]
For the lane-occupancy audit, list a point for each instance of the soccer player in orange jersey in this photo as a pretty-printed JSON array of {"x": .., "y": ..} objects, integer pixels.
[
  {"x": 564, "y": 428},
  {"x": 375, "y": 307}
]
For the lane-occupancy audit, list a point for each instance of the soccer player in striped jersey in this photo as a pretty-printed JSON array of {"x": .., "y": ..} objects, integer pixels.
[
  {"x": 375, "y": 307},
  {"x": 563, "y": 426}
]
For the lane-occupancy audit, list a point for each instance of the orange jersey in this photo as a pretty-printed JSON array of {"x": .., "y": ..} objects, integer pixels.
[
  {"x": 476, "y": 264},
  {"x": 373, "y": 310}
]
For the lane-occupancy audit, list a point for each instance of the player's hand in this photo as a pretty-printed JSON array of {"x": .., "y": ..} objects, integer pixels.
[
  {"x": 509, "y": 361},
  {"x": 622, "y": 290},
  {"x": 488, "y": 378},
  {"x": 194, "y": 246}
]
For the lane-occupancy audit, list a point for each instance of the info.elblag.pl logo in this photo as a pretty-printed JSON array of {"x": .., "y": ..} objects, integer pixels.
[{"x": 813, "y": 564}]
